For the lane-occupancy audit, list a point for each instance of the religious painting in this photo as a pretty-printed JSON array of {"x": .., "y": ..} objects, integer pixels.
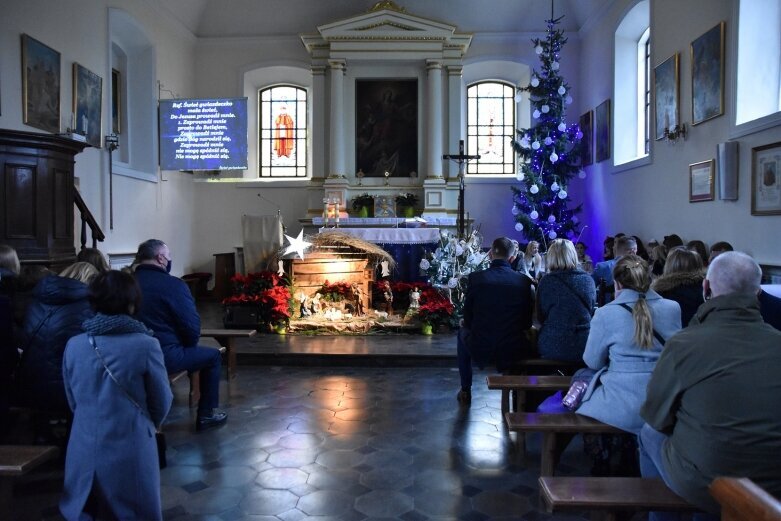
[
  {"x": 766, "y": 180},
  {"x": 707, "y": 64},
  {"x": 702, "y": 181},
  {"x": 40, "y": 85},
  {"x": 87, "y": 104},
  {"x": 586, "y": 125},
  {"x": 384, "y": 206},
  {"x": 666, "y": 95},
  {"x": 116, "y": 101},
  {"x": 386, "y": 127},
  {"x": 602, "y": 131}
]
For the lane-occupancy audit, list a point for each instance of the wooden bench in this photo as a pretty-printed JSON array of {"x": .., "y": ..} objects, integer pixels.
[
  {"x": 225, "y": 338},
  {"x": 15, "y": 461},
  {"x": 519, "y": 384},
  {"x": 195, "y": 382},
  {"x": 552, "y": 426},
  {"x": 743, "y": 500},
  {"x": 610, "y": 495}
]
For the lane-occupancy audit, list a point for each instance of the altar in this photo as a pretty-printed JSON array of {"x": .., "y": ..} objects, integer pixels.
[{"x": 407, "y": 246}]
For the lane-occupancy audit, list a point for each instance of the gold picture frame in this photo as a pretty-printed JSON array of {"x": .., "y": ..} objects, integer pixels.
[
  {"x": 707, "y": 74},
  {"x": 702, "y": 181},
  {"x": 766, "y": 180},
  {"x": 40, "y": 85},
  {"x": 88, "y": 104},
  {"x": 666, "y": 95}
]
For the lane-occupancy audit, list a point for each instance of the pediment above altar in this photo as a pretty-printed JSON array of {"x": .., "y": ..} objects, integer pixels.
[{"x": 386, "y": 28}]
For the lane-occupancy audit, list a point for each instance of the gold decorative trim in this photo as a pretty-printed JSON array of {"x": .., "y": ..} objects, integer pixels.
[
  {"x": 388, "y": 38},
  {"x": 391, "y": 24},
  {"x": 390, "y": 5}
]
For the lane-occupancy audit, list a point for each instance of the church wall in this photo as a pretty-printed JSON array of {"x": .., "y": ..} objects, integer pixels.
[
  {"x": 78, "y": 30},
  {"x": 653, "y": 200}
]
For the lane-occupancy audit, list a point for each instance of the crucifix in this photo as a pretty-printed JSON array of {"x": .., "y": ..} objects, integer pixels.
[{"x": 462, "y": 159}]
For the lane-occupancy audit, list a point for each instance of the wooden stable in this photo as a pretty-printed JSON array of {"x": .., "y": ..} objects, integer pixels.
[{"x": 332, "y": 264}]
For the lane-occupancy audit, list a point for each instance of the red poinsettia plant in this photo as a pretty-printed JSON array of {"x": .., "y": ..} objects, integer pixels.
[
  {"x": 434, "y": 308},
  {"x": 336, "y": 292},
  {"x": 266, "y": 290}
]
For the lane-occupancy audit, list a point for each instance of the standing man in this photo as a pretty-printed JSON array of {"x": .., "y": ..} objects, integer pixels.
[
  {"x": 497, "y": 311},
  {"x": 168, "y": 309},
  {"x": 712, "y": 406}
]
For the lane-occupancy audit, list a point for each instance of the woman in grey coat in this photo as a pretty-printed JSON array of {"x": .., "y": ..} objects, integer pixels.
[
  {"x": 117, "y": 387},
  {"x": 626, "y": 338}
]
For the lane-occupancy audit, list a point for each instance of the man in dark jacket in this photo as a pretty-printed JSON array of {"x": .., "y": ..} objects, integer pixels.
[
  {"x": 712, "y": 405},
  {"x": 168, "y": 309},
  {"x": 497, "y": 310}
]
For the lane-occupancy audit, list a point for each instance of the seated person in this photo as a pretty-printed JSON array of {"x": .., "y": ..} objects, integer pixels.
[
  {"x": 712, "y": 402},
  {"x": 603, "y": 271},
  {"x": 497, "y": 310},
  {"x": 168, "y": 309},
  {"x": 770, "y": 308},
  {"x": 626, "y": 338},
  {"x": 584, "y": 260},
  {"x": 533, "y": 260},
  {"x": 565, "y": 301},
  {"x": 717, "y": 249},
  {"x": 94, "y": 257},
  {"x": 681, "y": 281}
]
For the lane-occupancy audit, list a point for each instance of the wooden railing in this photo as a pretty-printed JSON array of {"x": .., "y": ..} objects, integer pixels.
[{"x": 87, "y": 219}]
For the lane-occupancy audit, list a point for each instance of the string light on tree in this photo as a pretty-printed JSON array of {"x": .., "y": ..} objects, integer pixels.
[{"x": 541, "y": 201}]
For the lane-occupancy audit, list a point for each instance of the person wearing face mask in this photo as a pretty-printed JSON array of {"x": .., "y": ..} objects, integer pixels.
[{"x": 168, "y": 309}]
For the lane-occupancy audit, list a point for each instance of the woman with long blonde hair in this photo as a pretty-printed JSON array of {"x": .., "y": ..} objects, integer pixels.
[{"x": 626, "y": 338}]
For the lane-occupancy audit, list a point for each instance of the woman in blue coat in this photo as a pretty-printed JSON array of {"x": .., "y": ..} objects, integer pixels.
[
  {"x": 117, "y": 387},
  {"x": 626, "y": 338}
]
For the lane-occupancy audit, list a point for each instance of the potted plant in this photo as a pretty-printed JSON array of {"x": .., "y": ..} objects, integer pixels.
[
  {"x": 363, "y": 205},
  {"x": 405, "y": 202},
  {"x": 434, "y": 311},
  {"x": 259, "y": 300}
]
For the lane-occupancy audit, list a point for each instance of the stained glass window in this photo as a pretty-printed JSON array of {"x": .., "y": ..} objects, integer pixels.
[
  {"x": 490, "y": 126},
  {"x": 283, "y": 131}
]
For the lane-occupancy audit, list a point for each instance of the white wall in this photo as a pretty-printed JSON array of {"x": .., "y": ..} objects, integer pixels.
[
  {"x": 78, "y": 30},
  {"x": 653, "y": 200}
]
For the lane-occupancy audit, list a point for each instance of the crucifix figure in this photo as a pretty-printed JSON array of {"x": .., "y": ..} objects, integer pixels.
[{"x": 462, "y": 159}]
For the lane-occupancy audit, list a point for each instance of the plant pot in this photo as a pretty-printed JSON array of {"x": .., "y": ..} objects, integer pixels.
[
  {"x": 280, "y": 329},
  {"x": 408, "y": 211},
  {"x": 363, "y": 212},
  {"x": 241, "y": 317},
  {"x": 426, "y": 329}
]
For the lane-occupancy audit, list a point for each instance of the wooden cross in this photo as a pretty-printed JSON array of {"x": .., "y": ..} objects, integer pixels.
[{"x": 462, "y": 159}]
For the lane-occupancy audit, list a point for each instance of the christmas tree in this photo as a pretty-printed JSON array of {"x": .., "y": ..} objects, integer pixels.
[{"x": 549, "y": 151}]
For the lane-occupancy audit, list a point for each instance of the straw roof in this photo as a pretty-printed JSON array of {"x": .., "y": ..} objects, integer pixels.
[{"x": 341, "y": 239}]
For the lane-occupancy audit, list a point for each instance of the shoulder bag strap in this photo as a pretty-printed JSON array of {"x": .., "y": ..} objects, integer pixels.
[
  {"x": 659, "y": 337},
  {"x": 572, "y": 290},
  {"x": 111, "y": 375}
]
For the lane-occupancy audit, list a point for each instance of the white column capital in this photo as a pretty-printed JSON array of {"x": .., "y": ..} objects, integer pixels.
[
  {"x": 338, "y": 65},
  {"x": 433, "y": 65},
  {"x": 318, "y": 70},
  {"x": 455, "y": 70}
]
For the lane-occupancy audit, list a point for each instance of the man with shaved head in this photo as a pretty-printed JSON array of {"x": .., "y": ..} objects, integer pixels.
[{"x": 713, "y": 405}]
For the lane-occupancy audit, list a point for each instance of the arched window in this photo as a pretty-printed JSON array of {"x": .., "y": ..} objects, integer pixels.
[
  {"x": 283, "y": 131},
  {"x": 631, "y": 84},
  {"x": 759, "y": 64},
  {"x": 490, "y": 127}
]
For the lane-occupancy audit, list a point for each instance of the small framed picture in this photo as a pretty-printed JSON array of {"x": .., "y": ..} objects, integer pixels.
[
  {"x": 766, "y": 180},
  {"x": 384, "y": 206},
  {"x": 701, "y": 181},
  {"x": 40, "y": 85},
  {"x": 87, "y": 104},
  {"x": 586, "y": 124},
  {"x": 602, "y": 131},
  {"x": 666, "y": 95},
  {"x": 707, "y": 64}
]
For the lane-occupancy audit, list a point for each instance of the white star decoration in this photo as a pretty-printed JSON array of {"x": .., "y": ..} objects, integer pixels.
[{"x": 297, "y": 244}]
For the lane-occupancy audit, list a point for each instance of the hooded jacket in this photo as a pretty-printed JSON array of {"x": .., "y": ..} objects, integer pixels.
[{"x": 685, "y": 288}]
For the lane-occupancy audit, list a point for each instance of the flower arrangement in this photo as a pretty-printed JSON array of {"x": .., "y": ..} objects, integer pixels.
[
  {"x": 363, "y": 201},
  {"x": 406, "y": 199},
  {"x": 336, "y": 292},
  {"x": 449, "y": 265},
  {"x": 266, "y": 290},
  {"x": 435, "y": 309}
]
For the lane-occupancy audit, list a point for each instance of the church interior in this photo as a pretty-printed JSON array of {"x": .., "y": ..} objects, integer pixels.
[{"x": 341, "y": 99}]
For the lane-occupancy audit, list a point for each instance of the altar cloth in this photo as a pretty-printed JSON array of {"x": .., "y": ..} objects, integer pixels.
[{"x": 391, "y": 235}]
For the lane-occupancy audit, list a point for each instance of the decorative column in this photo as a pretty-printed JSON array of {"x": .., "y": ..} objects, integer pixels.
[
  {"x": 336, "y": 130},
  {"x": 434, "y": 134},
  {"x": 455, "y": 109},
  {"x": 318, "y": 122}
]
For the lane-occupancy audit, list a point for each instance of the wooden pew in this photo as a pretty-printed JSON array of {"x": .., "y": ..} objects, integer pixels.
[
  {"x": 225, "y": 338},
  {"x": 743, "y": 500},
  {"x": 610, "y": 495},
  {"x": 519, "y": 384},
  {"x": 195, "y": 382},
  {"x": 552, "y": 427},
  {"x": 544, "y": 365},
  {"x": 15, "y": 461}
]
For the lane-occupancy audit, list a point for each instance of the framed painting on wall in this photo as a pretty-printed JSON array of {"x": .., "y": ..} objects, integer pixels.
[
  {"x": 87, "y": 104},
  {"x": 701, "y": 181},
  {"x": 766, "y": 180},
  {"x": 116, "y": 101},
  {"x": 707, "y": 68},
  {"x": 602, "y": 131},
  {"x": 386, "y": 127},
  {"x": 586, "y": 124},
  {"x": 40, "y": 85},
  {"x": 384, "y": 206},
  {"x": 666, "y": 95}
]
